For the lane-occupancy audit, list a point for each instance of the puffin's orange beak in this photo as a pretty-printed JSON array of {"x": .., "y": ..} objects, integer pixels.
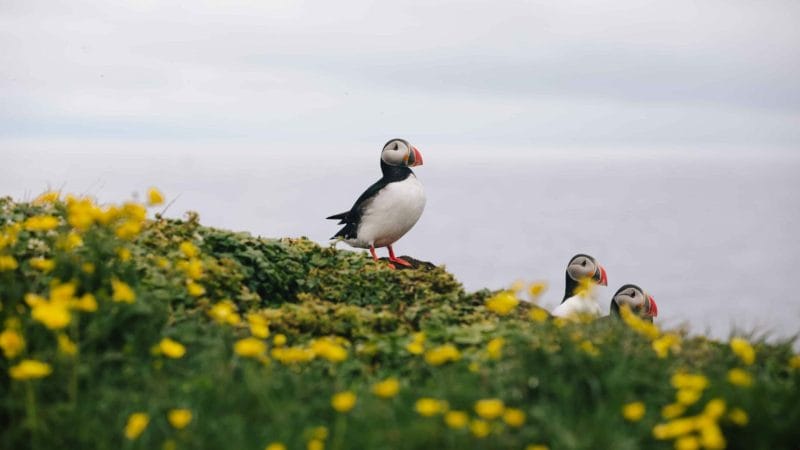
[
  {"x": 416, "y": 158},
  {"x": 652, "y": 311},
  {"x": 603, "y": 276}
]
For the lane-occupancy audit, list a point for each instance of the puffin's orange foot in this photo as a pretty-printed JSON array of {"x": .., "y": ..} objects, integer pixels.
[
  {"x": 391, "y": 266},
  {"x": 401, "y": 261}
]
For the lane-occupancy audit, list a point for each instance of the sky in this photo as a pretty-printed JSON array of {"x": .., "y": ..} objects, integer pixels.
[{"x": 566, "y": 74}]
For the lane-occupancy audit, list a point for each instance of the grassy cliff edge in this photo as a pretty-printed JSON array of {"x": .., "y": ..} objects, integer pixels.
[{"x": 123, "y": 331}]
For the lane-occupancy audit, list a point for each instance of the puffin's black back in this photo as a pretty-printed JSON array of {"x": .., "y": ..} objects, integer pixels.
[{"x": 352, "y": 218}]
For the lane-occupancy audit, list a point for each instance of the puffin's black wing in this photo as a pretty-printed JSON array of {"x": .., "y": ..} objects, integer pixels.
[{"x": 351, "y": 218}]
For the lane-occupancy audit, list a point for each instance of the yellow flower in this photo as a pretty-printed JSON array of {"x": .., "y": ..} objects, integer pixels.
[
  {"x": 489, "y": 408},
  {"x": 456, "y": 419},
  {"x": 275, "y": 446},
  {"x": 479, "y": 428},
  {"x": 714, "y": 409},
  {"x": 128, "y": 230},
  {"x": 537, "y": 447},
  {"x": 667, "y": 342},
  {"x": 711, "y": 436},
  {"x": 687, "y": 443},
  {"x": 415, "y": 348},
  {"x": 494, "y": 349},
  {"x": 137, "y": 423},
  {"x": 179, "y": 418},
  {"x": 54, "y": 316},
  {"x": 387, "y": 388},
  {"x": 738, "y": 416},
  {"x": 794, "y": 362},
  {"x": 193, "y": 268},
  {"x": 43, "y": 264},
  {"x": 249, "y": 347},
  {"x": 343, "y": 401},
  {"x": 40, "y": 223},
  {"x": 171, "y": 349},
  {"x": 514, "y": 417},
  {"x": 34, "y": 300},
  {"x": 46, "y": 197},
  {"x": 224, "y": 312},
  {"x": 121, "y": 292},
  {"x": 88, "y": 267},
  {"x": 688, "y": 396},
  {"x": 320, "y": 433},
  {"x": 124, "y": 254},
  {"x": 502, "y": 303},
  {"x": 259, "y": 327},
  {"x": 279, "y": 340},
  {"x": 633, "y": 411},
  {"x": 537, "y": 288},
  {"x": 87, "y": 303},
  {"x": 442, "y": 354},
  {"x": 672, "y": 410},
  {"x": 188, "y": 249},
  {"x": 427, "y": 406},
  {"x": 538, "y": 315},
  {"x": 154, "y": 197},
  {"x": 62, "y": 293},
  {"x": 12, "y": 343},
  {"x": 589, "y": 348},
  {"x": 70, "y": 242},
  {"x": 195, "y": 289},
  {"x": 417, "y": 344},
  {"x": 81, "y": 213},
  {"x": 743, "y": 350},
  {"x": 674, "y": 428},
  {"x": 30, "y": 368},
  {"x": 8, "y": 263},
  {"x": 740, "y": 377},
  {"x": 290, "y": 355},
  {"x": 682, "y": 380},
  {"x": 328, "y": 349},
  {"x": 66, "y": 346},
  {"x": 315, "y": 444},
  {"x": 638, "y": 324}
]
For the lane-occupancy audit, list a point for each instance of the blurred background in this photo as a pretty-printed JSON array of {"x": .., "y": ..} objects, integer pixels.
[{"x": 663, "y": 138}]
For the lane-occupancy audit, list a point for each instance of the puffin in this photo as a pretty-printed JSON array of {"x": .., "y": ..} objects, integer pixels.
[
  {"x": 389, "y": 208},
  {"x": 583, "y": 271},
  {"x": 638, "y": 300}
]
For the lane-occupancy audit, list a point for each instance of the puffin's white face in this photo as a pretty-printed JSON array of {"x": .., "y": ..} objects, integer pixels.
[
  {"x": 584, "y": 266},
  {"x": 398, "y": 152},
  {"x": 638, "y": 301}
]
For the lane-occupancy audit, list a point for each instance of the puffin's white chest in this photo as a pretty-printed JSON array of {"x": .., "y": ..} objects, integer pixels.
[
  {"x": 393, "y": 211},
  {"x": 578, "y": 306}
]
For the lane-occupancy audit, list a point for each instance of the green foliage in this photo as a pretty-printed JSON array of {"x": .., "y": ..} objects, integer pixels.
[{"x": 570, "y": 380}]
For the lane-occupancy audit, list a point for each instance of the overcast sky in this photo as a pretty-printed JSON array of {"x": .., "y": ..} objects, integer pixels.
[{"x": 571, "y": 73}]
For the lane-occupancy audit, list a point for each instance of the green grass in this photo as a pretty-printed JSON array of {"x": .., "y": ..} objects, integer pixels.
[{"x": 572, "y": 396}]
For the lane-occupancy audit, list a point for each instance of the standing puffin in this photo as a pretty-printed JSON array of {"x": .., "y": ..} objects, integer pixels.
[
  {"x": 583, "y": 271},
  {"x": 390, "y": 207},
  {"x": 640, "y": 302}
]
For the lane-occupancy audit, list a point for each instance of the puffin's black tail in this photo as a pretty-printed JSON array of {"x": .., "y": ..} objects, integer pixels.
[
  {"x": 347, "y": 232},
  {"x": 341, "y": 217}
]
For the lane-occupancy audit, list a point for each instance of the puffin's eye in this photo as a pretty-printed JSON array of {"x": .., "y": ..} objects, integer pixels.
[{"x": 583, "y": 263}]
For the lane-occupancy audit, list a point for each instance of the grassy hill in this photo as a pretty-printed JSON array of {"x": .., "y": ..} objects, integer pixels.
[{"x": 124, "y": 332}]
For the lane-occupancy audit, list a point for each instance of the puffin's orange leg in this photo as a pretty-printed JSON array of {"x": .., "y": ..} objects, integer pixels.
[
  {"x": 400, "y": 261},
  {"x": 375, "y": 257}
]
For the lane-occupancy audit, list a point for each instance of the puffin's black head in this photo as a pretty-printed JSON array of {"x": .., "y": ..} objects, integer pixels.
[
  {"x": 398, "y": 152},
  {"x": 582, "y": 267},
  {"x": 639, "y": 301}
]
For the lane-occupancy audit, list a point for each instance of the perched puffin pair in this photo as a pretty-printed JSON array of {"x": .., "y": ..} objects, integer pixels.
[{"x": 583, "y": 271}]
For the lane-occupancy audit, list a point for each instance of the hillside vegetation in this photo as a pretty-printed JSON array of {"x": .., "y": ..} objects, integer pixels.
[{"x": 120, "y": 331}]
